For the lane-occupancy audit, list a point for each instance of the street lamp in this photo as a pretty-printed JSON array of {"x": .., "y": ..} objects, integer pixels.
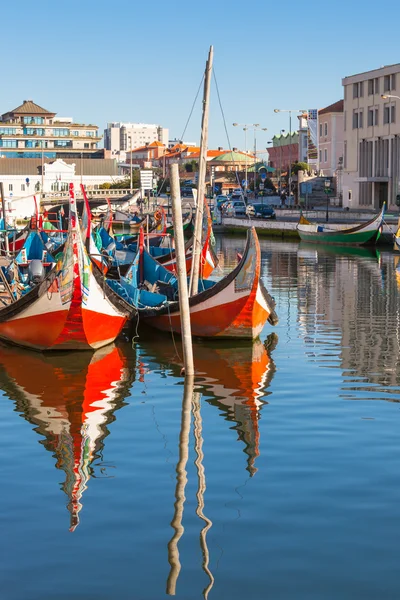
[
  {"x": 289, "y": 110},
  {"x": 130, "y": 145},
  {"x": 254, "y": 127}
]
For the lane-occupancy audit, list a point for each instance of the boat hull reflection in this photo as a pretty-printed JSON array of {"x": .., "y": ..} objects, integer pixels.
[{"x": 70, "y": 399}]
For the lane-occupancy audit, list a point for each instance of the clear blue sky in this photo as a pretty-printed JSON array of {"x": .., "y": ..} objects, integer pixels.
[{"x": 127, "y": 60}]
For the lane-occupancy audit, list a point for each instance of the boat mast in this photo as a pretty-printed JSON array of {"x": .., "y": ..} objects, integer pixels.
[{"x": 194, "y": 273}]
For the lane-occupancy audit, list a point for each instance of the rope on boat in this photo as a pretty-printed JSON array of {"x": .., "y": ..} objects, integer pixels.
[
  {"x": 172, "y": 333},
  {"x": 387, "y": 225}
]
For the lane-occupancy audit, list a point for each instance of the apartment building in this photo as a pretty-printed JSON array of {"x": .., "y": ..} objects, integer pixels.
[
  {"x": 371, "y": 152},
  {"x": 30, "y": 131},
  {"x": 330, "y": 138},
  {"x": 120, "y": 137}
]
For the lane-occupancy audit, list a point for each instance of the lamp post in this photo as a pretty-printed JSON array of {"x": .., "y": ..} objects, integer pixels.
[
  {"x": 254, "y": 127},
  {"x": 130, "y": 163},
  {"x": 289, "y": 110}
]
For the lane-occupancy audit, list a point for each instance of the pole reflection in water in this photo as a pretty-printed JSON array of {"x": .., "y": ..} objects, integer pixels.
[
  {"x": 181, "y": 480},
  {"x": 198, "y": 448},
  {"x": 71, "y": 399}
]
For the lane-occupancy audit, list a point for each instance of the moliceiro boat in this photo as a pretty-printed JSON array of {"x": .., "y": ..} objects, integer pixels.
[
  {"x": 62, "y": 304},
  {"x": 359, "y": 235},
  {"x": 236, "y": 306}
]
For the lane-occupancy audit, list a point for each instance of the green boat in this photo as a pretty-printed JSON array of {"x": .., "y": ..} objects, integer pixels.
[
  {"x": 187, "y": 224},
  {"x": 365, "y": 234}
]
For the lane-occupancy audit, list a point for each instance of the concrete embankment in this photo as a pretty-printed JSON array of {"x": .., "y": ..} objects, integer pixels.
[{"x": 285, "y": 224}]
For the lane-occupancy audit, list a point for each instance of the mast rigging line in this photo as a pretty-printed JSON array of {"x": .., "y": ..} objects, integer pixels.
[
  {"x": 192, "y": 109},
  {"x": 224, "y": 120}
]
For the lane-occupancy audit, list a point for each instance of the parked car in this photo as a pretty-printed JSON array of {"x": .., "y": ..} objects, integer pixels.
[
  {"x": 236, "y": 208},
  {"x": 237, "y": 196},
  {"x": 186, "y": 190},
  {"x": 263, "y": 211}
]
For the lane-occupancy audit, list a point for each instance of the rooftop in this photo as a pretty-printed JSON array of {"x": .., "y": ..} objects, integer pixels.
[
  {"x": 332, "y": 108},
  {"x": 28, "y": 107}
]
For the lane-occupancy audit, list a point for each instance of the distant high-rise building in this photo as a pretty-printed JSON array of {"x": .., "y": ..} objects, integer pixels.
[{"x": 120, "y": 137}]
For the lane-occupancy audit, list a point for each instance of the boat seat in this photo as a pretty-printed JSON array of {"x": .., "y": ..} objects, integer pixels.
[{"x": 151, "y": 298}]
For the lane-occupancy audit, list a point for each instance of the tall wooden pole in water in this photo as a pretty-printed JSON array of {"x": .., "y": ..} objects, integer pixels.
[
  {"x": 3, "y": 207},
  {"x": 181, "y": 271},
  {"x": 194, "y": 274}
]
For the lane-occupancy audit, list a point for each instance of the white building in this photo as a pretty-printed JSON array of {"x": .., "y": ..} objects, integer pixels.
[
  {"x": 24, "y": 177},
  {"x": 120, "y": 138},
  {"x": 371, "y": 153},
  {"x": 330, "y": 139}
]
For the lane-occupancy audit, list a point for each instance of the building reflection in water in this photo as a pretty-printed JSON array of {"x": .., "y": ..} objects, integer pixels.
[
  {"x": 71, "y": 400},
  {"x": 349, "y": 299}
]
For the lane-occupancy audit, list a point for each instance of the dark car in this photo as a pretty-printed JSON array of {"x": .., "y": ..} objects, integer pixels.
[
  {"x": 186, "y": 191},
  {"x": 264, "y": 211}
]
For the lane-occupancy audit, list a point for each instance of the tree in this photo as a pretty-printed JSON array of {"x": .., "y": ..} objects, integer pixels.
[
  {"x": 192, "y": 166},
  {"x": 300, "y": 166}
]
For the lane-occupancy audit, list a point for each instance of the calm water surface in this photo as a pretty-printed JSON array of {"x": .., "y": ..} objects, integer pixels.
[{"x": 279, "y": 477}]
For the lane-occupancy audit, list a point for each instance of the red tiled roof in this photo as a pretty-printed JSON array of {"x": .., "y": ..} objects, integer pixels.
[{"x": 332, "y": 108}]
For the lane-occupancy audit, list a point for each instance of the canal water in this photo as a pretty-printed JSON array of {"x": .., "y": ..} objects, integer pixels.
[{"x": 278, "y": 476}]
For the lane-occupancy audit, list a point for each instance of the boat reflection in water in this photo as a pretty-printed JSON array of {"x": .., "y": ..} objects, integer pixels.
[
  {"x": 232, "y": 378},
  {"x": 71, "y": 399}
]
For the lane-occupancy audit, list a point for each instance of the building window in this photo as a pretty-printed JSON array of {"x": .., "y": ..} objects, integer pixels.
[
  {"x": 22, "y": 187},
  {"x": 10, "y": 187},
  {"x": 60, "y": 132},
  {"x": 8, "y": 143},
  {"x": 358, "y": 121},
  {"x": 33, "y": 120},
  {"x": 32, "y": 131},
  {"x": 325, "y": 128},
  {"x": 325, "y": 155},
  {"x": 389, "y": 83},
  {"x": 7, "y": 131},
  {"x": 372, "y": 116},
  {"x": 35, "y": 144},
  {"x": 90, "y": 134},
  {"x": 386, "y": 115},
  {"x": 75, "y": 133},
  {"x": 344, "y": 120},
  {"x": 358, "y": 89},
  {"x": 373, "y": 86},
  {"x": 62, "y": 144},
  {"x": 393, "y": 114},
  {"x": 320, "y": 156},
  {"x": 86, "y": 145},
  {"x": 345, "y": 155},
  {"x": 386, "y": 83}
]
